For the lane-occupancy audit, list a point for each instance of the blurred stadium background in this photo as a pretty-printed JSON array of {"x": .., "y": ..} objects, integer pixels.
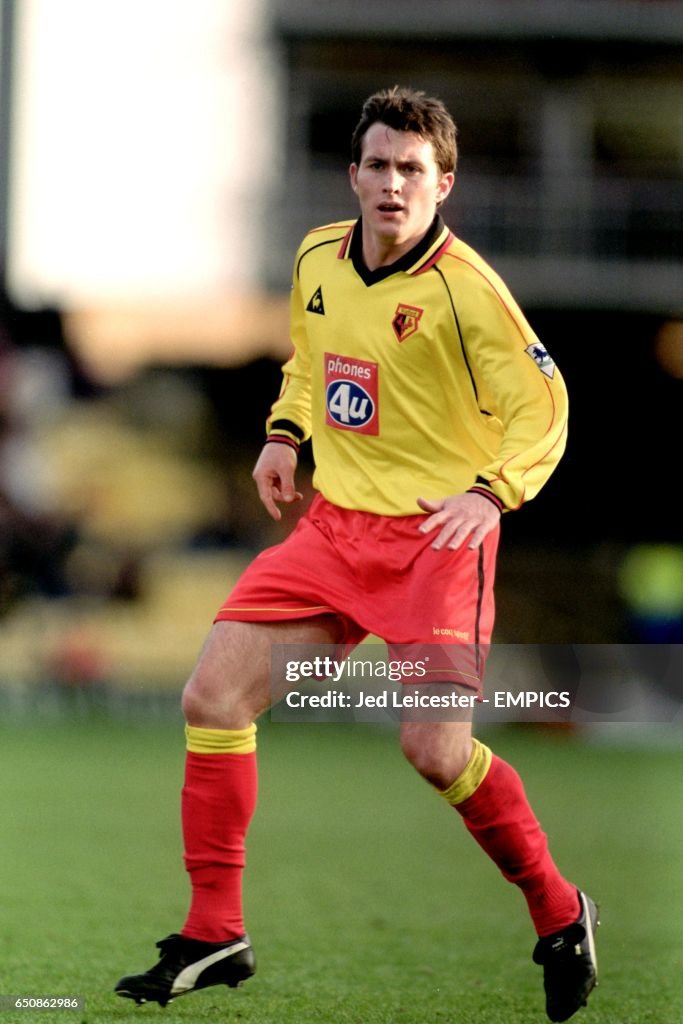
[{"x": 160, "y": 161}]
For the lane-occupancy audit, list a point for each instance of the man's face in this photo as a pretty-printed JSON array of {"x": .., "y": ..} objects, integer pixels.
[{"x": 398, "y": 184}]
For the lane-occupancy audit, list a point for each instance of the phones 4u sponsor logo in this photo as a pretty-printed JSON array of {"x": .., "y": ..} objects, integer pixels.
[{"x": 351, "y": 394}]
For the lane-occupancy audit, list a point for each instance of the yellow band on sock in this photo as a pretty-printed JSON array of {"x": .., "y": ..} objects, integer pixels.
[
  {"x": 472, "y": 776},
  {"x": 220, "y": 741}
]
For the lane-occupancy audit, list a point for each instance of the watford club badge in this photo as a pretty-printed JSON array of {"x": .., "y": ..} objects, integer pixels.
[
  {"x": 315, "y": 303},
  {"x": 406, "y": 320}
]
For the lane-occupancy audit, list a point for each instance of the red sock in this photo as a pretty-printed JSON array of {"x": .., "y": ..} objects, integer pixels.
[
  {"x": 499, "y": 817},
  {"x": 218, "y": 801}
]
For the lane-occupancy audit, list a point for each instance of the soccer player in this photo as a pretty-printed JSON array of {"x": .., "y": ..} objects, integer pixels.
[{"x": 432, "y": 408}]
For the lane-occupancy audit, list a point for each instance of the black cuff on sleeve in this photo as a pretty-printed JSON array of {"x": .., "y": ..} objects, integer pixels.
[
  {"x": 285, "y": 432},
  {"x": 286, "y": 426},
  {"x": 482, "y": 486},
  {"x": 281, "y": 439}
]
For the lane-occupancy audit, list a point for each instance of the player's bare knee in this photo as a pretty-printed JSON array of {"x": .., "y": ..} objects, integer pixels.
[
  {"x": 208, "y": 697},
  {"x": 439, "y": 762},
  {"x": 218, "y": 707},
  {"x": 197, "y": 702},
  {"x": 422, "y": 759},
  {"x": 227, "y": 689}
]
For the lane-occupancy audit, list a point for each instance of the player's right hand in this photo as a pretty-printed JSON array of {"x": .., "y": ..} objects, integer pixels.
[{"x": 274, "y": 477}]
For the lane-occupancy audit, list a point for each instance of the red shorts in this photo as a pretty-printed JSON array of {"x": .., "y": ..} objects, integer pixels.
[{"x": 377, "y": 575}]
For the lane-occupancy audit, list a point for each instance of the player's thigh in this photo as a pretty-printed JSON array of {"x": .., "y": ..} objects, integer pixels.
[{"x": 232, "y": 683}]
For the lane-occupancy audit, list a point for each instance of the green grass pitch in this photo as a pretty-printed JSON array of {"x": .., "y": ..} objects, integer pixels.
[{"x": 366, "y": 900}]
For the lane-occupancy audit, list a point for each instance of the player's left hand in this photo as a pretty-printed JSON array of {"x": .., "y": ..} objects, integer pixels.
[{"x": 460, "y": 517}]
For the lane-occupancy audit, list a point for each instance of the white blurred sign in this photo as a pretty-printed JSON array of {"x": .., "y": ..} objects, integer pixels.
[{"x": 145, "y": 139}]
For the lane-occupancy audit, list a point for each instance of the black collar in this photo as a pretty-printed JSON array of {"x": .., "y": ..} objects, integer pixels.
[{"x": 406, "y": 261}]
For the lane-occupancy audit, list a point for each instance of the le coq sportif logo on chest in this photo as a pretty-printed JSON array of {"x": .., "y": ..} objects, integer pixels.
[{"x": 351, "y": 394}]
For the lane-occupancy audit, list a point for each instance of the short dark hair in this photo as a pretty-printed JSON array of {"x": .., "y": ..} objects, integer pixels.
[{"x": 406, "y": 110}]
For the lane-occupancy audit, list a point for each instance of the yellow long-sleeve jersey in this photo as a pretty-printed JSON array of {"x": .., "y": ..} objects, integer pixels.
[{"x": 420, "y": 378}]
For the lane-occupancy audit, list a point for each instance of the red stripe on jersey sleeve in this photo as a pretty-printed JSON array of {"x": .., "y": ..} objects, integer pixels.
[{"x": 493, "y": 289}]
